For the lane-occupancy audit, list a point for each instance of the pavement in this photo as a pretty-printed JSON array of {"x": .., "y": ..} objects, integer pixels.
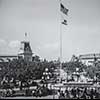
[{"x": 31, "y": 97}]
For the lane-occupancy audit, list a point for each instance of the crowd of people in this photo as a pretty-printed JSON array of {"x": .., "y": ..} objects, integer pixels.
[
  {"x": 79, "y": 93},
  {"x": 7, "y": 90},
  {"x": 69, "y": 92}
]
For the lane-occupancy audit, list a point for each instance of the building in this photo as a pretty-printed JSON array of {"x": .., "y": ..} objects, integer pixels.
[{"x": 25, "y": 50}]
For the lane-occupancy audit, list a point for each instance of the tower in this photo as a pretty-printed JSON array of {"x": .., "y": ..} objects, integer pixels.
[{"x": 25, "y": 50}]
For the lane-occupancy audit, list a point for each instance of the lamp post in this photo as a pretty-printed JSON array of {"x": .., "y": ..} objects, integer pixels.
[{"x": 77, "y": 73}]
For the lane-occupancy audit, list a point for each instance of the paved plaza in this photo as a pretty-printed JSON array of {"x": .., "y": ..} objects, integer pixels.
[{"x": 45, "y": 97}]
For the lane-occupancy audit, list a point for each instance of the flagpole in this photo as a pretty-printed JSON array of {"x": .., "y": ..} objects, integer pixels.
[
  {"x": 60, "y": 42},
  {"x": 64, "y": 10}
]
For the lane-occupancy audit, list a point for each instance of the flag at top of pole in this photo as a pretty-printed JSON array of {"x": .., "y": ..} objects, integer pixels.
[{"x": 63, "y": 9}]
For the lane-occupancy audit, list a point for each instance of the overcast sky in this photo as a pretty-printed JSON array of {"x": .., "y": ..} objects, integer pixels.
[{"x": 40, "y": 19}]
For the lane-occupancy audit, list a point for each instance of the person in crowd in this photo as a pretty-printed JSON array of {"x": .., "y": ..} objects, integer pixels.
[
  {"x": 73, "y": 92},
  {"x": 67, "y": 94},
  {"x": 58, "y": 93},
  {"x": 62, "y": 96},
  {"x": 84, "y": 94},
  {"x": 92, "y": 94},
  {"x": 97, "y": 94}
]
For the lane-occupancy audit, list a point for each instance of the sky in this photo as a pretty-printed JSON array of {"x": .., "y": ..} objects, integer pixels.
[{"x": 41, "y": 20}]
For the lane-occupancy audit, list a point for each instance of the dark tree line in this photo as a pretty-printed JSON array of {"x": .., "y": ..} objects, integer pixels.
[{"x": 18, "y": 69}]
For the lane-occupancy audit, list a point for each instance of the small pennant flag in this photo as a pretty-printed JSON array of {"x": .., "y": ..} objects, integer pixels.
[
  {"x": 63, "y": 9},
  {"x": 64, "y": 22}
]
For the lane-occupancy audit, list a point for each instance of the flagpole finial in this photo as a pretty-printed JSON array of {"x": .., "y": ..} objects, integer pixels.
[
  {"x": 25, "y": 34},
  {"x": 26, "y": 38}
]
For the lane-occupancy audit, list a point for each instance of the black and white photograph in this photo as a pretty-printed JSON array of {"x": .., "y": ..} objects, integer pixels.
[{"x": 49, "y": 49}]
